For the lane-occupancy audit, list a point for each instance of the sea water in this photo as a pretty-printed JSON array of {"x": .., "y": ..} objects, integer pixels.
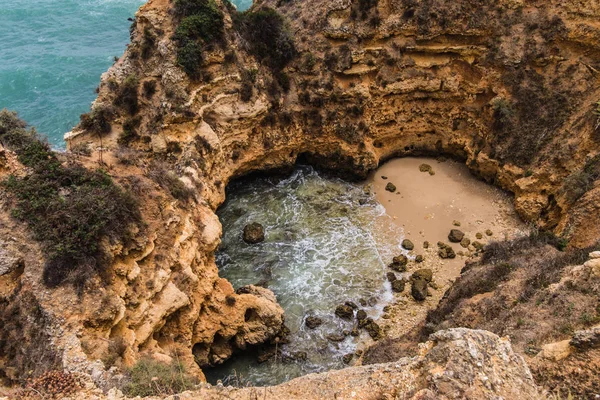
[
  {"x": 326, "y": 242},
  {"x": 52, "y": 53}
]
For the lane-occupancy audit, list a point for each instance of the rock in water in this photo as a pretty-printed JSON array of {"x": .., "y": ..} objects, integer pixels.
[
  {"x": 390, "y": 187},
  {"x": 313, "y": 322},
  {"x": 335, "y": 337},
  {"x": 344, "y": 311},
  {"x": 254, "y": 233},
  {"x": 398, "y": 286},
  {"x": 391, "y": 276},
  {"x": 456, "y": 235},
  {"x": 407, "y": 244},
  {"x": 361, "y": 315}
]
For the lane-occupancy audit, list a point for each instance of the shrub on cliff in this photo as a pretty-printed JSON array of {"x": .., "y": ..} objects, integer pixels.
[
  {"x": 70, "y": 210},
  {"x": 98, "y": 120},
  {"x": 268, "y": 37},
  {"x": 580, "y": 182},
  {"x": 206, "y": 25},
  {"x": 127, "y": 95},
  {"x": 189, "y": 58},
  {"x": 152, "y": 378},
  {"x": 201, "y": 26}
]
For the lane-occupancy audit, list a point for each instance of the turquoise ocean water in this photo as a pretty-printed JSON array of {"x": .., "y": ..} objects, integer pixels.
[{"x": 52, "y": 53}]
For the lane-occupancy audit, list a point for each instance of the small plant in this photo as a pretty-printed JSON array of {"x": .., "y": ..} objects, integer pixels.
[
  {"x": 268, "y": 36},
  {"x": 129, "y": 130},
  {"x": 98, "y": 120},
  {"x": 582, "y": 181},
  {"x": 53, "y": 384},
  {"x": 152, "y": 378},
  {"x": 127, "y": 95},
  {"x": 149, "y": 88},
  {"x": 169, "y": 181},
  {"x": 148, "y": 43},
  {"x": 189, "y": 57}
]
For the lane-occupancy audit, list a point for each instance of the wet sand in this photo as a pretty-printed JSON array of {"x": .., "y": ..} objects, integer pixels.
[{"x": 427, "y": 206}]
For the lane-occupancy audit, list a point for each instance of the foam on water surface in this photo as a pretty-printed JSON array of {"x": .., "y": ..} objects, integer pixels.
[{"x": 322, "y": 248}]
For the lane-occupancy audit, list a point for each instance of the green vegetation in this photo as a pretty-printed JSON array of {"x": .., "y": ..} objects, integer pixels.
[
  {"x": 127, "y": 95},
  {"x": 129, "y": 130},
  {"x": 149, "y": 88},
  {"x": 148, "y": 43},
  {"x": 270, "y": 40},
  {"x": 69, "y": 209},
  {"x": 98, "y": 120},
  {"x": 189, "y": 57},
  {"x": 152, "y": 378},
  {"x": 580, "y": 182},
  {"x": 169, "y": 181},
  {"x": 200, "y": 26}
]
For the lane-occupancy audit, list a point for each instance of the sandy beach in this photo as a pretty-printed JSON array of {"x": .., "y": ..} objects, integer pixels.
[{"x": 427, "y": 205}]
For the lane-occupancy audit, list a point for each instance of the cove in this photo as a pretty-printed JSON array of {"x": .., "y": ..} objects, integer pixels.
[{"x": 326, "y": 243}]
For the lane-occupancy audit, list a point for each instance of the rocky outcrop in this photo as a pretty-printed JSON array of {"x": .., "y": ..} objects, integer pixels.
[
  {"x": 508, "y": 86},
  {"x": 453, "y": 364}
]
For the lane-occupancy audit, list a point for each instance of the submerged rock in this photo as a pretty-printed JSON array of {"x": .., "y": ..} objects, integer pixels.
[
  {"x": 361, "y": 314},
  {"x": 489, "y": 232},
  {"x": 407, "y": 244},
  {"x": 465, "y": 242},
  {"x": 347, "y": 358},
  {"x": 456, "y": 235},
  {"x": 335, "y": 337},
  {"x": 313, "y": 322},
  {"x": 419, "y": 258},
  {"x": 253, "y": 233},
  {"x": 390, "y": 187},
  {"x": 344, "y": 311}
]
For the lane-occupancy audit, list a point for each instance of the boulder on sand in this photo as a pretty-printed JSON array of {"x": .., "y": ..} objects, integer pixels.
[
  {"x": 390, "y": 187},
  {"x": 407, "y": 244},
  {"x": 456, "y": 235}
]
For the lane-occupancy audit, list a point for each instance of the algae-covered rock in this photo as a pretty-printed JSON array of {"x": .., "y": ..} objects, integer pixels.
[{"x": 254, "y": 233}]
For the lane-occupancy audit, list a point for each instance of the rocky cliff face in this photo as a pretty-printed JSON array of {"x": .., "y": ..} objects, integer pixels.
[
  {"x": 510, "y": 87},
  {"x": 452, "y": 364}
]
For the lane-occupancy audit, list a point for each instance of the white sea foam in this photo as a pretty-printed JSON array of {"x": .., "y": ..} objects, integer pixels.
[{"x": 322, "y": 249}]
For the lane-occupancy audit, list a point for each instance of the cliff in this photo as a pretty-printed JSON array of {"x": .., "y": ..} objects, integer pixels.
[{"x": 509, "y": 87}]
